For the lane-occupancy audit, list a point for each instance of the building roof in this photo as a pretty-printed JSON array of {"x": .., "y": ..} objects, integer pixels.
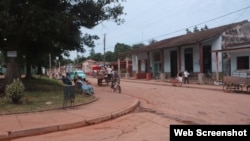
[{"x": 187, "y": 39}]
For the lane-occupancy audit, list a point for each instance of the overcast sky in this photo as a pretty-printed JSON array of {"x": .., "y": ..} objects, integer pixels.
[{"x": 161, "y": 19}]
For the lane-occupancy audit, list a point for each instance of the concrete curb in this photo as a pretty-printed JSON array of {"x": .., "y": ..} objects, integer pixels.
[
  {"x": 196, "y": 86},
  {"x": 7, "y": 136}
]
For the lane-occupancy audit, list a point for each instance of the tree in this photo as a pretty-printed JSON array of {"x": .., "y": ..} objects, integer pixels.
[
  {"x": 109, "y": 56},
  {"x": 138, "y": 45},
  {"x": 37, "y": 28},
  {"x": 96, "y": 57},
  {"x": 80, "y": 59},
  {"x": 196, "y": 29},
  {"x": 120, "y": 48},
  {"x": 152, "y": 42},
  {"x": 204, "y": 28},
  {"x": 92, "y": 52},
  {"x": 188, "y": 31}
]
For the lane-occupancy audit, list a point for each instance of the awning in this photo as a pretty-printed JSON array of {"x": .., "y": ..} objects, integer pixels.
[
  {"x": 95, "y": 67},
  {"x": 241, "y": 49}
]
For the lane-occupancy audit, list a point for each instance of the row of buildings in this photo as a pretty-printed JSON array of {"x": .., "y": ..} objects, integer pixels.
[
  {"x": 212, "y": 54},
  {"x": 215, "y": 52}
]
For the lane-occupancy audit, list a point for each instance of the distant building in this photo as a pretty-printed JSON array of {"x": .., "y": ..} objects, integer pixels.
[{"x": 87, "y": 66}]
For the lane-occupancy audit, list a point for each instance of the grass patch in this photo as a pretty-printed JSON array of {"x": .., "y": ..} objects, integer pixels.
[{"x": 41, "y": 94}]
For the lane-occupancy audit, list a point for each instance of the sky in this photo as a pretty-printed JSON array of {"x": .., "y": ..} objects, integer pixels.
[{"x": 147, "y": 20}]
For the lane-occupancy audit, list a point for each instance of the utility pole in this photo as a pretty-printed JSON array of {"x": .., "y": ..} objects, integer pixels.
[{"x": 104, "y": 44}]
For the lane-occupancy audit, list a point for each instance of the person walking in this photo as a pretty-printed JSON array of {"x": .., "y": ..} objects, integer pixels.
[{"x": 186, "y": 74}]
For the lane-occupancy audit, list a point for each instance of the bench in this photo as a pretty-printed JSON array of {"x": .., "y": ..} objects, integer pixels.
[{"x": 79, "y": 89}]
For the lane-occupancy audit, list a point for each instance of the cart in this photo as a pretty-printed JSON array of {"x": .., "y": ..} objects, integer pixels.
[
  {"x": 102, "y": 79},
  {"x": 177, "y": 81},
  {"x": 236, "y": 83}
]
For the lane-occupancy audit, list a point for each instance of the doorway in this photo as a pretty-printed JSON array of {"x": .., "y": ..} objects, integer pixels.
[
  {"x": 188, "y": 54},
  {"x": 173, "y": 63},
  {"x": 207, "y": 63}
]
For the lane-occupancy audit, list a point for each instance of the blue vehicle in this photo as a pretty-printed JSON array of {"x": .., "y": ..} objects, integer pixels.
[{"x": 80, "y": 73}]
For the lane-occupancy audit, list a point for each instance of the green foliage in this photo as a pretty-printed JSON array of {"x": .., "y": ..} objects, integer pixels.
[
  {"x": 139, "y": 45},
  {"x": 188, "y": 31},
  {"x": 196, "y": 29},
  {"x": 41, "y": 93},
  {"x": 36, "y": 28},
  {"x": 152, "y": 42},
  {"x": 96, "y": 57},
  {"x": 109, "y": 56},
  {"x": 121, "y": 48},
  {"x": 15, "y": 90}
]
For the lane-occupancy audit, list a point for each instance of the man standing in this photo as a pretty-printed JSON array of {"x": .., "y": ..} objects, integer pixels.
[
  {"x": 109, "y": 71},
  {"x": 186, "y": 74}
]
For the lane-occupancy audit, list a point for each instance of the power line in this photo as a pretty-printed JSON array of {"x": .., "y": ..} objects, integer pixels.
[
  {"x": 183, "y": 29},
  {"x": 197, "y": 24}
]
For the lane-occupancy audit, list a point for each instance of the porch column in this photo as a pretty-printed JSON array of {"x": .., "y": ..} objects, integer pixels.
[
  {"x": 162, "y": 75},
  {"x": 179, "y": 59},
  {"x": 201, "y": 58},
  {"x": 148, "y": 74},
  {"x": 136, "y": 63},
  {"x": 217, "y": 65},
  {"x": 119, "y": 67},
  {"x": 148, "y": 67},
  {"x": 127, "y": 67},
  {"x": 201, "y": 74}
]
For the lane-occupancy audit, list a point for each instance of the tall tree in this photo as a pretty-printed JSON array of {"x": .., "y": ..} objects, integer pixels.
[
  {"x": 196, "y": 29},
  {"x": 92, "y": 52},
  {"x": 204, "y": 28},
  {"x": 96, "y": 57},
  {"x": 109, "y": 56},
  {"x": 138, "y": 45},
  {"x": 120, "y": 48},
  {"x": 36, "y": 28},
  {"x": 188, "y": 31},
  {"x": 152, "y": 42}
]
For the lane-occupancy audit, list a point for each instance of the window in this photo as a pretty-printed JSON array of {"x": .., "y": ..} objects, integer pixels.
[{"x": 243, "y": 62}]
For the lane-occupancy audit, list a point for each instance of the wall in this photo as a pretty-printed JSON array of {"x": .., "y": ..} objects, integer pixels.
[
  {"x": 238, "y": 34},
  {"x": 196, "y": 58},
  {"x": 134, "y": 66},
  {"x": 216, "y": 45},
  {"x": 167, "y": 60},
  {"x": 234, "y": 56}
]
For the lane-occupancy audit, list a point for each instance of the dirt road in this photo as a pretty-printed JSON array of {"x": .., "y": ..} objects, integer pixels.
[{"x": 160, "y": 106}]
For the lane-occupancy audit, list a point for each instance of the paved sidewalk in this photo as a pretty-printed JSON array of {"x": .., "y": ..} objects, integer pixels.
[{"x": 108, "y": 105}]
